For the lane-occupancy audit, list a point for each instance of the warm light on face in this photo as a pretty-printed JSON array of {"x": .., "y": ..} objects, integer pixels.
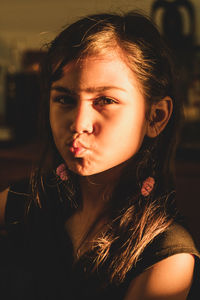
[{"x": 97, "y": 114}]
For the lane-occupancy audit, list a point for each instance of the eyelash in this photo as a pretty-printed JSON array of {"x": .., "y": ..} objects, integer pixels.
[
  {"x": 100, "y": 101},
  {"x": 105, "y": 100},
  {"x": 64, "y": 100}
]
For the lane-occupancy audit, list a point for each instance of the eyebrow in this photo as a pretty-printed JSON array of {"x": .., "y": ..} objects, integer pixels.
[{"x": 99, "y": 89}]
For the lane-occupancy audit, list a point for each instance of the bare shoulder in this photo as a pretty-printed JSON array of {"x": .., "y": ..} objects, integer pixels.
[
  {"x": 171, "y": 278},
  {"x": 3, "y": 201}
]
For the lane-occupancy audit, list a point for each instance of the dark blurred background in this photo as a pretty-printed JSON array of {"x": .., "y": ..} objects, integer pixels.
[{"x": 26, "y": 26}]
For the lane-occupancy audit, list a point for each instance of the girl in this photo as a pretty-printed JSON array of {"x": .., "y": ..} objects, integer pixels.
[{"x": 99, "y": 219}]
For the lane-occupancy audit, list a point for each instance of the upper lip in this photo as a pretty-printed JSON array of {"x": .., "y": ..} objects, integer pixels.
[{"x": 76, "y": 143}]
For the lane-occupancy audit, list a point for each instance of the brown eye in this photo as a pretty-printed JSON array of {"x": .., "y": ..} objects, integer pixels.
[
  {"x": 104, "y": 101},
  {"x": 64, "y": 100}
]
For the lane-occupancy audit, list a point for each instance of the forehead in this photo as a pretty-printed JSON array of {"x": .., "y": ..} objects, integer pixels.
[{"x": 98, "y": 70}]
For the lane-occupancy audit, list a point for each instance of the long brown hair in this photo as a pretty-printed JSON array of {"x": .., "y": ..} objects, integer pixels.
[{"x": 134, "y": 221}]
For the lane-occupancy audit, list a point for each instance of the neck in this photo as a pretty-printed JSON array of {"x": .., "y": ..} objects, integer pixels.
[{"x": 97, "y": 189}]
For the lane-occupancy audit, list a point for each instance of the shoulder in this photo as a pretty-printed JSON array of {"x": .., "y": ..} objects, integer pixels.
[
  {"x": 19, "y": 199},
  {"x": 166, "y": 267},
  {"x": 176, "y": 239},
  {"x": 170, "y": 278},
  {"x": 12, "y": 203}
]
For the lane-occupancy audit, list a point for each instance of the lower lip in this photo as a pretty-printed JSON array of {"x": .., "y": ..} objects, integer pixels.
[{"x": 77, "y": 152}]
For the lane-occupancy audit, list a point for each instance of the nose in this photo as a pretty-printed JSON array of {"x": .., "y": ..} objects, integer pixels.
[{"x": 82, "y": 118}]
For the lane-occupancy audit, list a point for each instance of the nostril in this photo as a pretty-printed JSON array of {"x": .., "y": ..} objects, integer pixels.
[{"x": 84, "y": 127}]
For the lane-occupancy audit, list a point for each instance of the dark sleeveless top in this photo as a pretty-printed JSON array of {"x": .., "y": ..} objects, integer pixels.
[{"x": 37, "y": 257}]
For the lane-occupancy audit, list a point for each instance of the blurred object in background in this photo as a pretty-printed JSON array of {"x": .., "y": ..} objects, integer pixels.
[
  {"x": 192, "y": 109},
  {"x": 176, "y": 20},
  {"x": 22, "y": 95},
  {"x": 31, "y": 60},
  {"x": 177, "y": 23},
  {"x": 19, "y": 148}
]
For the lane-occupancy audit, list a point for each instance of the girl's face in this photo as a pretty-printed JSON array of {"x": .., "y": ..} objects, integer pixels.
[{"x": 97, "y": 114}]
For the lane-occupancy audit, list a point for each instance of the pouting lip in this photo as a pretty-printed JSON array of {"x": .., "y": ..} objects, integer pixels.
[
  {"x": 77, "y": 149},
  {"x": 75, "y": 144},
  {"x": 77, "y": 152}
]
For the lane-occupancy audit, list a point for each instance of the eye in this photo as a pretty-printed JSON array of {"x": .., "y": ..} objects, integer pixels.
[
  {"x": 64, "y": 100},
  {"x": 101, "y": 101}
]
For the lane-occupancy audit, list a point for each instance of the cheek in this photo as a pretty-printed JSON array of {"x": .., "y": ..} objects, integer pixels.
[
  {"x": 58, "y": 123},
  {"x": 54, "y": 125},
  {"x": 123, "y": 137},
  {"x": 52, "y": 117},
  {"x": 129, "y": 125}
]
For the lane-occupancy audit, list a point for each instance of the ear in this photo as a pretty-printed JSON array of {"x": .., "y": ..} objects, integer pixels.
[{"x": 159, "y": 116}]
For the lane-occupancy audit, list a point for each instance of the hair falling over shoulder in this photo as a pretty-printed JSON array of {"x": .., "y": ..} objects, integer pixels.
[{"x": 133, "y": 219}]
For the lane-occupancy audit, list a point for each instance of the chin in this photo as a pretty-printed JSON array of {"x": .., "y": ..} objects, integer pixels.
[
  {"x": 81, "y": 170},
  {"x": 84, "y": 171}
]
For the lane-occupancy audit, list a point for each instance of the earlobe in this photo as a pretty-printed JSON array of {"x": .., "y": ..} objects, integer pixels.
[{"x": 159, "y": 116}]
